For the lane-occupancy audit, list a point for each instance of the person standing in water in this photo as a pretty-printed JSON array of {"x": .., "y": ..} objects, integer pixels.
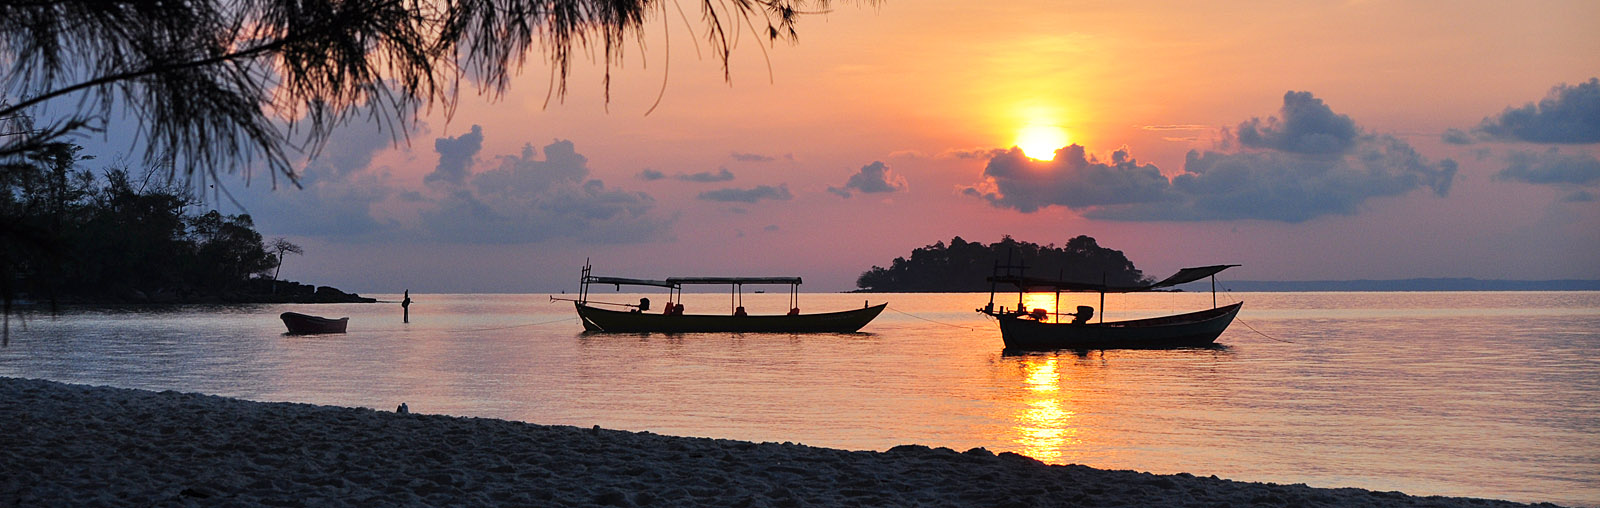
[{"x": 405, "y": 307}]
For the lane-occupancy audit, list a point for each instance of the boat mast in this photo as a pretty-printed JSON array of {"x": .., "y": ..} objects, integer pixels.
[
  {"x": 583, "y": 286},
  {"x": 1102, "y": 297},
  {"x": 1213, "y": 291},
  {"x": 1059, "y": 275},
  {"x": 1021, "y": 290}
]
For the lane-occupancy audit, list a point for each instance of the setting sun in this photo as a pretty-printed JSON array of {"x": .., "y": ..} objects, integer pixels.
[{"x": 1041, "y": 141}]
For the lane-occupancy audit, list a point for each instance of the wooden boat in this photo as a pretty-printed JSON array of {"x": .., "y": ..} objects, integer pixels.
[
  {"x": 1026, "y": 330},
  {"x": 1195, "y": 329},
  {"x": 671, "y": 319},
  {"x": 305, "y": 324},
  {"x": 605, "y": 320}
]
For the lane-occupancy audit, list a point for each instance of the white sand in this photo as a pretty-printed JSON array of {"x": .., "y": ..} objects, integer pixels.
[{"x": 89, "y": 446}]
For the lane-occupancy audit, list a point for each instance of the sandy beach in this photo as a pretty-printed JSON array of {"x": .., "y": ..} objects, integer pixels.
[{"x": 71, "y": 445}]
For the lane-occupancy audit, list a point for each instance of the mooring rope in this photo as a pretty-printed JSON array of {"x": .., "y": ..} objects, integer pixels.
[
  {"x": 968, "y": 328},
  {"x": 1229, "y": 293},
  {"x": 1258, "y": 332}
]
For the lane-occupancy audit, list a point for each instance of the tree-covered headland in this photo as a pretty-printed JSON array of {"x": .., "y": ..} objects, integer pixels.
[
  {"x": 69, "y": 234},
  {"x": 962, "y": 266}
]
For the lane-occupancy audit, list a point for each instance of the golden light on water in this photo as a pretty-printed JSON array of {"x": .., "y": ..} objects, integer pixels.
[
  {"x": 1044, "y": 428},
  {"x": 1040, "y": 141},
  {"x": 1043, "y": 379},
  {"x": 1046, "y": 301}
]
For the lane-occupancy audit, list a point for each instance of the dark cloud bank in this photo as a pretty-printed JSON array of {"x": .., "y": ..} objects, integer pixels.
[
  {"x": 456, "y": 156},
  {"x": 721, "y": 175},
  {"x": 337, "y": 194},
  {"x": 1306, "y": 162},
  {"x": 505, "y": 199},
  {"x": 524, "y": 198},
  {"x": 756, "y": 157},
  {"x": 1550, "y": 167},
  {"x": 875, "y": 178},
  {"x": 750, "y": 195},
  {"x": 1568, "y": 115}
]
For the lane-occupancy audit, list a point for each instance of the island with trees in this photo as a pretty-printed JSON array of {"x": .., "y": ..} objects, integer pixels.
[
  {"x": 72, "y": 235},
  {"x": 963, "y": 266}
]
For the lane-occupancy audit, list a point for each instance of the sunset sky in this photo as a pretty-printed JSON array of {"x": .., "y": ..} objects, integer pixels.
[{"x": 1303, "y": 140}]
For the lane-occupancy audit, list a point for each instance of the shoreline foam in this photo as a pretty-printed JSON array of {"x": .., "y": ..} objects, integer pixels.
[{"x": 63, "y": 444}]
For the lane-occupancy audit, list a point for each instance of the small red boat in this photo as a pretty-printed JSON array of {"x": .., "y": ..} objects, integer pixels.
[{"x": 304, "y": 324}]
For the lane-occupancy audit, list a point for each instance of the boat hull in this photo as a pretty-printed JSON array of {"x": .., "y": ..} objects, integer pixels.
[
  {"x": 1195, "y": 329},
  {"x": 604, "y": 320},
  {"x": 305, "y": 324}
]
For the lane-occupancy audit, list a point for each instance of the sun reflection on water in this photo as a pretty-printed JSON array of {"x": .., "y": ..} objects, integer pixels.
[
  {"x": 1044, "y": 425},
  {"x": 1047, "y": 301}
]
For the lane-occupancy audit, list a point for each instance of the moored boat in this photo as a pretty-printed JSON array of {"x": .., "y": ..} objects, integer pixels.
[
  {"x": 1039, "y": 329},
  {"x": 606, "y": 320},
  {"x": 306, "y": 324},
  {"x": 672, "y": 319}
]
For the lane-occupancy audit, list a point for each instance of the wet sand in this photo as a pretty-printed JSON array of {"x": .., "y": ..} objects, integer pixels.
[{"x": 72, "y": 445}]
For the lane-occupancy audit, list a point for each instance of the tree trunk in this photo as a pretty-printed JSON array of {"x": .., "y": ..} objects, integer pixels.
[{"x": 275, "y": 272}]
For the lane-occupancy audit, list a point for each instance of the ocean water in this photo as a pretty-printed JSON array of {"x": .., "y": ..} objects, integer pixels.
[{"x": 1475, "y": 394}]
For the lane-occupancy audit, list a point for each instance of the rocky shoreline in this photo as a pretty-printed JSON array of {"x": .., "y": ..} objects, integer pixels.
[{"x": 72, "y": 445}]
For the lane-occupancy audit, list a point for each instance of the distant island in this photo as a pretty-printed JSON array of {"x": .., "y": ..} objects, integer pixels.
[
  {"x": 963, "y": 266},
  {"x": 68, "y": 235}
]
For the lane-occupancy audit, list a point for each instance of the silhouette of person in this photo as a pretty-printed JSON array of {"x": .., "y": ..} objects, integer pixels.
[
  {"x": 1083, "y": 315},
  {"x": 405, "y": 307}
]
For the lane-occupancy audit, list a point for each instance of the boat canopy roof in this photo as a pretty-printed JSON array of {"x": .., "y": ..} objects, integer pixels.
[
  {"x": 1183, "y": 276},
  {"x": 673, "y": 282},
  {"x": 622, "y": 281},
  {"x": 733, "y": 280}
]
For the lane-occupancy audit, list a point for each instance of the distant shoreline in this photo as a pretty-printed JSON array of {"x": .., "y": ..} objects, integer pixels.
[
  {"x": 1428, "y": 284},
  {"x": 1364, "y": 285},
  {"x": 258, "y": 292}
]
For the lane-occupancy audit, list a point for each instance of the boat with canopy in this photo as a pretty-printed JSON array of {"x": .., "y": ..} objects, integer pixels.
[
  {"x": 641, "y": 317},
  {"x": 1040, "y": 329}
]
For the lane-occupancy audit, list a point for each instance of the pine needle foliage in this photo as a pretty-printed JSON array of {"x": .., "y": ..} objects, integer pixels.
[{"x": 220, "y": 85}]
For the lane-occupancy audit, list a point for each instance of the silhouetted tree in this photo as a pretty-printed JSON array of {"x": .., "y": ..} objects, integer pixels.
[
  {"x": 117, "y": 238},
  {"x": 131, "y": 239},
  {"x": 964, "y": 266},
  {"x": 280, "y": 246},
  {"x": 228, "y": 251},
  {"x": 217, "y": 84},
  {"x": 211, "y": 81}
]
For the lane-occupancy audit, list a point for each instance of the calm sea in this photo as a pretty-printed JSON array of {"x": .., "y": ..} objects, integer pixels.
[{"x": 1461, "y": 394}]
